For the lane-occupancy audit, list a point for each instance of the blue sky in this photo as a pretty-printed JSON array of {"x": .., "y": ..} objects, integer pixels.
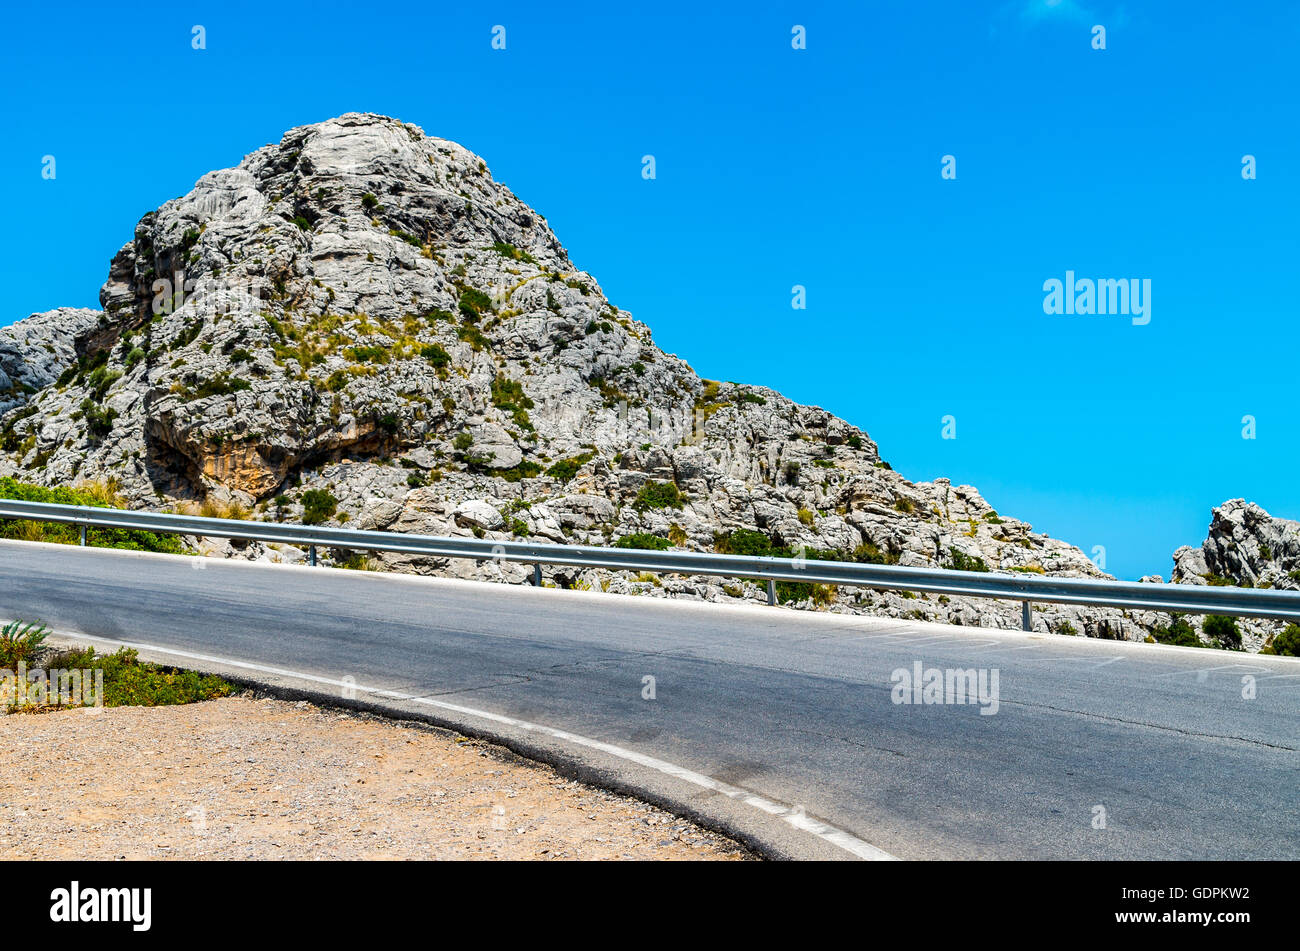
[{"x": 777, "y": 167}]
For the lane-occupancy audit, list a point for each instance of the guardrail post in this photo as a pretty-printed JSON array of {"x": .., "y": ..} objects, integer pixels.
[
  {"x": 1026, "y": 616},
  {"x": 311, "y": 555},
  {"x": 771, "y": 593},
  {"x": 537, "y": 575},
  {"x": 83, "y": 536}
]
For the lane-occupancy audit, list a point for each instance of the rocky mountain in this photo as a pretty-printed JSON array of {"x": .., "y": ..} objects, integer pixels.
[
  {"x": 1246, "y": 547},
  {"x": 359, "y": 325}
]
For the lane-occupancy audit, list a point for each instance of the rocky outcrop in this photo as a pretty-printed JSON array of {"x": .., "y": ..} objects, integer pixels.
[
  {"x": 36, "y": 350},
  {"x": 362, "y": 313},
  {"x": 1245, "y": 546}
]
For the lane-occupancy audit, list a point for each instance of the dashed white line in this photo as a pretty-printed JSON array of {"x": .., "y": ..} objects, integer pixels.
[{"x": 793, "y": 816}]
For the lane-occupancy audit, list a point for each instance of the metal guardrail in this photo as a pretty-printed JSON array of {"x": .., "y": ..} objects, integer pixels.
[{"x": 1187, "y": 599}]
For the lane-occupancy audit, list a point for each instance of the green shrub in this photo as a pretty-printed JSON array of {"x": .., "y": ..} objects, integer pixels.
[
  {"x": 318, "y": 505},
  {"x": 1286, "y": 644},
  {"x": 59, "y": 533},
  {"x": 100, "y": 380},
  {"x": 129, "y": 681},
  {"x": 436, "y": 355},
  {"x": 370, "y": 354},
  {"x": 867, "y": 553},
  {"x": 508, "y": 395},
  {"x": 524, "y": 470},
  {"x": 960, "y": 561},
  {"x": 473, "y": 304},
  {"x": 1179, "y": 633},
  {"x": 99, "y": 419},
  {"x": 510, "y": 251},
  {"x": 1222, "y": 631},
  {"x": 744, "y": 541},
  {"x": 644, "y": 540},
  {"x": 223, "y": 384},
  {"x": 566, "y": 469},
  {"x": 471, "y": 335},
  {"x": 19, "y": 642},
  {"x": 658, "y": 495}
]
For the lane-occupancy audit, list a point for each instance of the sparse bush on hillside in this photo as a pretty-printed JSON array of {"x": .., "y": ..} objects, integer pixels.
[
  {"x": 473, "y": 304},
  {"x": 1178, "y": 632},
  {"x": 1286, "y": 644},
  {"x": 644, "y": 540},
  {"x": 510, "y": 251},
  {"x": 868, "y": 554},
  {"x": 566, "y": 469},
  {"x": 99, "y": 419},
  {"x": 436, "y": 355},
  {"x": 474, "y": 337},
  {"x": 370, "y": 354},
  {"x": 223, "y": 384},
  {"x": 318, "y": 505},
  {"x": 960, "y": 561},
  {"x": 1222, "y": 631},
  {"x": 508, "y": 395},
  {"x": 658, "y": 495}
]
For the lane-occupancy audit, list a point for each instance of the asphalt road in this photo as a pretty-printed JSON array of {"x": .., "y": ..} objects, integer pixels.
[{"x": 794, "y": 707}]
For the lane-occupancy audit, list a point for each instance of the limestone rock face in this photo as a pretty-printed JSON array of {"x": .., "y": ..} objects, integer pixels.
[
  {"x": 362, "y": 309},
  {"x": 1245, "y": 546},
  {"x": 36, "y": 350}
]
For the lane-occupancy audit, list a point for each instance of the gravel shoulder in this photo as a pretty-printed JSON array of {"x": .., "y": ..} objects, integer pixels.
[{"x": 262, "y": 778}]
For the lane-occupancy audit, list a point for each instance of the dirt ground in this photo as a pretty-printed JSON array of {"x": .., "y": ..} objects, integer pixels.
[{"x": 248, "y": 778}]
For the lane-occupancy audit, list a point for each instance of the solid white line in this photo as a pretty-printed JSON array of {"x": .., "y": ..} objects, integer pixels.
[{"x": 795, "y": 817}]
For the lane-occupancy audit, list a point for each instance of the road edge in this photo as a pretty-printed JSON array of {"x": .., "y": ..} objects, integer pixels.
[{"x": 766, "y": 833}]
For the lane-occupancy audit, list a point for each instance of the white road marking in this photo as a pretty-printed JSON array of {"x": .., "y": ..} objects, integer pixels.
[{"x": 795, "y": 817}]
